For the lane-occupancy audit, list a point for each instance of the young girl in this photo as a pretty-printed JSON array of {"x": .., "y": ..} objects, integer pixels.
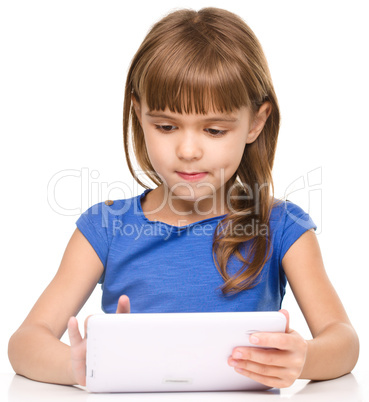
[{"x": 202, "y": 119}]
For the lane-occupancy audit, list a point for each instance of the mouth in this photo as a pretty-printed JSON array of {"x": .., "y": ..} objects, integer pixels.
[{"x": 192, "y": 176}]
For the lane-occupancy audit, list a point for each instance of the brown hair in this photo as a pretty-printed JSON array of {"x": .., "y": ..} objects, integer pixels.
[{"x": 194, "y": 62}]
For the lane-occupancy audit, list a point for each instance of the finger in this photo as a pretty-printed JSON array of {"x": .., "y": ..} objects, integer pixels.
[
  {"x": 123, "y": 306},
  {"x": 74, "y": 335},
  {"x": 287, "y": 315},
  {"x": 268, "y": 381},
  {"x": 271, "y": 357},
  {"x": 276, "y": 340},
  {"x": 258, "y": 368}
]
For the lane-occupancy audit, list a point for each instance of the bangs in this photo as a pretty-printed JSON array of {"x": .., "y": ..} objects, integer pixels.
[{"x": 194, "y": 80}]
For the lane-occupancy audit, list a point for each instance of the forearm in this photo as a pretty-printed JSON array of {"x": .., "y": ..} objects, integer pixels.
[
  {"x": 36, "y": 353},
  {"x": 333, "y": 353}
]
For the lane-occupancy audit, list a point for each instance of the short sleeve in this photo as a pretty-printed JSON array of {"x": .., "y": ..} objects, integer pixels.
[
  {"x": 93, "y": 226},
  {"x": 296, "y": 223}
]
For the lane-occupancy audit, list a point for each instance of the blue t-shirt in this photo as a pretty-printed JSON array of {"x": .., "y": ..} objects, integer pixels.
[{"x": 164, "y": 268}]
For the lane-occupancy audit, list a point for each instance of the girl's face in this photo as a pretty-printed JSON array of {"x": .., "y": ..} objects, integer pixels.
[{"x": 194, "y": 154}]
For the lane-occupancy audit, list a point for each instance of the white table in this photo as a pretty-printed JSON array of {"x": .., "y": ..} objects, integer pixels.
[{"x": 349, "y": 388}]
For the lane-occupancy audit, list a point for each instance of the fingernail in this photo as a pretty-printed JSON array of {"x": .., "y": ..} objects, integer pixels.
[
  {"x": 254, "y": 339},
  {"x": 233, "y": 363},
  {"x": 237, "y": 355}
]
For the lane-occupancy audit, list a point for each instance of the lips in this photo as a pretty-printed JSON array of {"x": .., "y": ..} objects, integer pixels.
[{"x": 192, "y": 176}]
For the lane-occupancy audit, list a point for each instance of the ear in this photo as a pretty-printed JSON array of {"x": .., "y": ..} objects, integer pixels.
[
  {"x": 259, "y": 121},
  {"x": 137, "y": 108}
]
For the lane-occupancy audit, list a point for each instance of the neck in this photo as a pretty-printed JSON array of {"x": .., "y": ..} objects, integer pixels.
[{"x": 161, "y": 204}]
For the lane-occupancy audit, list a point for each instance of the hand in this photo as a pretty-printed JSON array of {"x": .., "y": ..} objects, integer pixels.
[
  {"x": 78, "y": 344},
  {"x": 277, "y": 367}
]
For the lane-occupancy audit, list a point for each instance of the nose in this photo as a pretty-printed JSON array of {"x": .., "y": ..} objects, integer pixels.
[{"x": 189, "y": 147}]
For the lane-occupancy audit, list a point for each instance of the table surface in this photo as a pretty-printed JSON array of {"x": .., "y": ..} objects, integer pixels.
[{"x": 351, "y": 387}]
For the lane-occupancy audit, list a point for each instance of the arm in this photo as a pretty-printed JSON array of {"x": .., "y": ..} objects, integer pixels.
[
  {"x": 334, "y": 349},
  {"x": 35, "y": 350}
]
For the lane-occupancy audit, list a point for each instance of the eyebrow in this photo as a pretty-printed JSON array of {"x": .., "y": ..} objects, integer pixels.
[{"x": 208, "y": 119}]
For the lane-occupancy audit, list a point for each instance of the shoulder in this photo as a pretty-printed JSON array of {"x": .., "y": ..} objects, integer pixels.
[
  {"x": 106, "y": 210},
  {"x": 285, "y": 213},
  {"x": 101, "y": 218},
  {"x": 110, "y": 206},
  {"x": 98, "y": 223},
  {"x": 288, "y": 222}
]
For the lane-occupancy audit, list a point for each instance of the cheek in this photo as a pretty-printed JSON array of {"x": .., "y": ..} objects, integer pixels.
[
  {"x": 229, "y": 161},
  {"x": 158, "y": 153},
  {"x": 230, "y": 155}
]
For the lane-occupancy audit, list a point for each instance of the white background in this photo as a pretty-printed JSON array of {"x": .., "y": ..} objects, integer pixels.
[{"x": 62, "y": 74}]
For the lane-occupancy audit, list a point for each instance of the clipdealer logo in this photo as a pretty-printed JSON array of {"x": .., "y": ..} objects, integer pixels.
[
  {"x": 308, "y": 189},
  {"x": 305, "y": 191},
  {"x": 90, "y": 190}
]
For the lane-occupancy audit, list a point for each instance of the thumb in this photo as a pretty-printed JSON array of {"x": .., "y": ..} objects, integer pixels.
[
  {"x": 123, "y": 306},
  {"x": 74, "y": 335},
  {"x": 287, "y": 315}
]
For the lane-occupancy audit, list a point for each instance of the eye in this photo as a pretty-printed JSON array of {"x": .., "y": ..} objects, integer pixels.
[
  {"x": 167, "y": 128},
  {"x": 215, "y": 133}
]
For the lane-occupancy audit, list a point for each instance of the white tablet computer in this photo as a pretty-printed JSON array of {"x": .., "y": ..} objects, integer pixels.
[{"x": 171, "y": 351}]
